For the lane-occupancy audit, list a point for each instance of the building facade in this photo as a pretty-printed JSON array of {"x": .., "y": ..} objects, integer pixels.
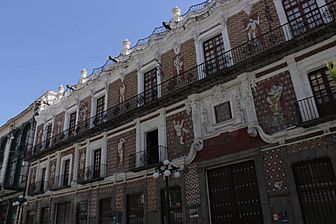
[
  {"x": 16, "y": 139},
  {"x": 235, "y": 93}
]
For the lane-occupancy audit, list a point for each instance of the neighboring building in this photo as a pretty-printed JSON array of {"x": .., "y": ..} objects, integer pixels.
[
  {"x": 236, "y": 94},
  {"x": 16, "y": 140}
]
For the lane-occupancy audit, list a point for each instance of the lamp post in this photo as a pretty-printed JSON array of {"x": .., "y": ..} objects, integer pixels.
[
  {"x": 20, "y": 202},
  {"x": 166, "y": 170}
]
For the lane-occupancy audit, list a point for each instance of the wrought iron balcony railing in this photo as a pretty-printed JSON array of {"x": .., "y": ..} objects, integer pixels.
[
  {"x": 147, "y": 158},
  {"x": 59, "y": 182},
  {"x": 38, "y": 187},
  {"x": 215, "y": 69},
  {"x": 313, "y": 110},
  {"x": 91, "y": 173}
]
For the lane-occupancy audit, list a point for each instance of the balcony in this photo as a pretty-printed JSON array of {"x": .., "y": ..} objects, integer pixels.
[
  {"x": 15, "y": 183},
  {"x": 265, "y": 49},
  {"x": 91, "y": 174},
  {"x": 38, "y": 187},
  {"x": 59, "y": 182},
  {"x": 315, "y": 111},
  {"x": 148, "y": 158}
]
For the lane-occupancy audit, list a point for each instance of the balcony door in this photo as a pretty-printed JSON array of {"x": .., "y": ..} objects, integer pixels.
[
  {"x": 63, "y": 213},
  {"x": 302, "y": 15},
  {"x": 324, "y": 91},
  {"x": 72, "y": 123},
  {"x": 96, "y": 163},
  {"x": 66, "y": 172},
  {"x": 152, "y": 143},
  {"x": 150, "y": 86},
  {"x": 214, "y": 55}
]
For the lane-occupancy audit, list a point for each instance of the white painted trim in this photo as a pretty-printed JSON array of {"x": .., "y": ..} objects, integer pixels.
[{"x": 63, "y": 159}]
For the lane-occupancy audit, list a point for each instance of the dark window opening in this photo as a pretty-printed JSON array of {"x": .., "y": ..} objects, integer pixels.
[
  {"x": 175, "y": 205},
  {"x": 316, "y": 186},
  {"x": 63, "y": 213},
  {"x": 152, "y": 147},
  {"x": 223, "y": 112},
  {"x": 44, "y": 216},
  {"x": 135, "y": 209},
  {"x": 96, "y": 163},
  {"x": 72, "y": 123},
  {"x": 66, "y": 173},
  {"x": 82, "y": 212}
]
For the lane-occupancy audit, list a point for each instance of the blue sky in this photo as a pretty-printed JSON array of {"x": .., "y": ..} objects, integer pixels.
[{"x": 46, "y": 43}]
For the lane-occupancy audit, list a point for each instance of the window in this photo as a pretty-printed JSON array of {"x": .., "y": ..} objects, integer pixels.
[
  {"x": 96, "y": 163},
  {"x": 30, "y": 217},
  {"x": 175, "y": 205},
  {"x": 100, "y": 109},
  {"x": 150, "y": 86},
  {"x": 72, "y": 123},
  {"x": 66, "y": 173},
  {"x": 302, "y": 15},
  {"x": 324, "y": 91},
  {"x": 44, "y": 216},
  {"x": 82, "y": 212},
  {"x": 214, "y": 54},
  {"x": 223, "y": 112},
  {"x": 48, "y": 136},
  {"x": 316, "y": 186},
  {"x": 152, "y": 147},
  {"x": 63, "y": 213},
  {"x": 43, "y": 180},
  {"x": 135, "y": 209},
  {"x": 105, "y": 211}
]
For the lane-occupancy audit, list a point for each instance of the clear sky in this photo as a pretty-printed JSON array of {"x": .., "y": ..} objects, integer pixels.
[{"x": 45, "y": 43}]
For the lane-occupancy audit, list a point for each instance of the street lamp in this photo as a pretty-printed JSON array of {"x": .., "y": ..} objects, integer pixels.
[
  {"x": 167, "y": 169},
  {"x": 20, "y": 202}
]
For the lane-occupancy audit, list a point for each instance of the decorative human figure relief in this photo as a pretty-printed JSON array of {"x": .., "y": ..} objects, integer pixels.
[
  {"x": 180, "y": 131},
  {"x": 178, "y": 61},
  {"x": 122, "y": 90},
  {"x": 273, "y": 100},
  {"x": 83, "y": 111},
  {"x": 121, "y": 149},
  {"x": 82, "y": 161},
  {"x": 253, "y": 85},
  {"x": 252, "y": 28},
  {"x": 205, "y": 122}
]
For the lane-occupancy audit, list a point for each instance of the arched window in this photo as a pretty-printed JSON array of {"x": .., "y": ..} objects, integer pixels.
[{"x": 302, "y": 15}]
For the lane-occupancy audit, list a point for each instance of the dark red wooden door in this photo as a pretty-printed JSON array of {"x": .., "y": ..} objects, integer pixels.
[
  {"x": 234, "y": 196},
  {"x": 150, "y": 85}
]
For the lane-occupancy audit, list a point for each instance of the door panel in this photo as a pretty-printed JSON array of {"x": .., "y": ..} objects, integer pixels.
[{"x": 234, "y": 196}]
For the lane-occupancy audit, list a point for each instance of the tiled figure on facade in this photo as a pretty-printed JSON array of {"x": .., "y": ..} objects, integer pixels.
[
  {"x": 121, "y": 150},
  {"x": 122, "y": 91},
  {"x": 180, "y": 131},
  {"x": 273, "y": 100}
]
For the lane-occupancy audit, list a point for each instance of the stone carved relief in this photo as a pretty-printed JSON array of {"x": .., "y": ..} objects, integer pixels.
[
  {"x": 252, "y": 27},
  {"x": 180, "y": 131},
  {"x": 273, "y": 100},
  {"x": 205, "y": 122},
  {"x": 82, "y": 161},
  {"x": 122, "y": 90},
  {"x": 218, "y": 93},
  {"x": 178, "y": 61},
  {"x": 83, "y": 111},
  {"x": 188, "y": 106},
  {"x": 120, "y": 149}
]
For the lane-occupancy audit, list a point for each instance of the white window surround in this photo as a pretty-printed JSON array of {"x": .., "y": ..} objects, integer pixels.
[
  {"x": 93, "y": 146},
  {"x": 67, "y": 117},
  {"x": 63, "y": 159},
  {"x": 223, "y": 123},
  {"x": 141, "y": 73},
  {"x": 94, "y": 101},
  {"x": 155, "y": 124}
]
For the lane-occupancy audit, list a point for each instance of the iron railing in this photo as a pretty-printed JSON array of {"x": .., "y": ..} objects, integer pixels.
[
  {"x": 309, "y": 110},
  {"x": 171, "y": 88},
  {"x": 59, "y": 182},
  {"x": 148, "y": 158},
  {"x": 91, "y": 173},
  {"x": 38, "y": 187}
]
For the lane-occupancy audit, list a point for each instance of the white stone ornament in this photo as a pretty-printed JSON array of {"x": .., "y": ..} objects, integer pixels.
[
  {"x": 122, "y": 91},
  {"x": 180, "y": 131},
  {"x": 83, "y": 76},
  {"x": 273, "y": 100},
  {"x": 252, "y": 27},
  {"x": 126, "y": 47},
  {"x": 176, "y": 11},
  {"x": 120, "y": 148},
  {"x": 248, "y": 7}
]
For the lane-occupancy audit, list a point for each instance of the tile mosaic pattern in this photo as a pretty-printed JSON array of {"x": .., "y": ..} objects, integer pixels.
[
  {"x": 287, "y": 103},
  {"x": 175, "y": 149},
  {"x": 192, "y": 189}
]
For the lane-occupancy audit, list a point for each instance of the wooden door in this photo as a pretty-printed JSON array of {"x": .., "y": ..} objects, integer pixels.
[
  {"x": 234, "y": 196},
  {"x": 96, "y": 163},
  {"x": 324, "y": 91},
  {"x": 214, "y": 55},
  {"x": 150, "y": 86}
]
